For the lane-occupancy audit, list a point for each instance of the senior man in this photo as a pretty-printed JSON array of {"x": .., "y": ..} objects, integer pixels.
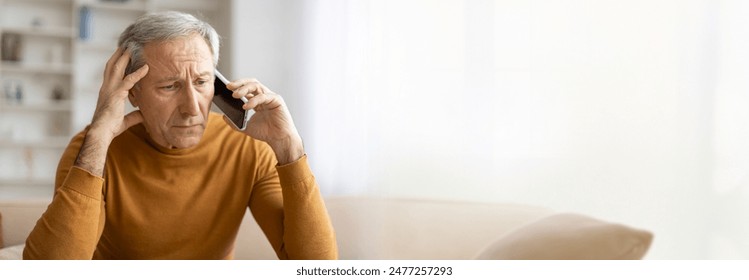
[{"x": 172, "y": 180}]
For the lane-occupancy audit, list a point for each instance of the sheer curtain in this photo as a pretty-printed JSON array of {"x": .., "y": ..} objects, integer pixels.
[
  {"x": 730, "y": 188},
  {"x": 391, "y": 86},
  {"x": 633, "y": 111}
]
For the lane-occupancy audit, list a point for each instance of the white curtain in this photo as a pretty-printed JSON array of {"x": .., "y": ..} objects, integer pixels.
[
  {"x": 633, "y": 111},
  {"x": 730, "y": 188}
]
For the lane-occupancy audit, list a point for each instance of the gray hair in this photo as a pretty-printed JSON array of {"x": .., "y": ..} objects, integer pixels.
[{"x": 164, "y": 26}]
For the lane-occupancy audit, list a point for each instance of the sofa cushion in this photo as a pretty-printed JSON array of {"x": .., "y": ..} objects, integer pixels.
[
  {"x": 12, "y": 252},
  {"x": 570, "y": 237}
]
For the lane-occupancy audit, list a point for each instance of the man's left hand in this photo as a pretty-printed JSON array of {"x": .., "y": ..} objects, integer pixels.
[{"x": 271, "y": 122}]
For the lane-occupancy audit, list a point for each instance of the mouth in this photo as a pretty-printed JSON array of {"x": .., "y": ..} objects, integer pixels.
[{"x": 186, "y": 126}]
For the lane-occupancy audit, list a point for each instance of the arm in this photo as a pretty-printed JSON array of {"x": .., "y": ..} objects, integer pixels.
[
  {"x": 74, "y": 221},
  {"x": 286, "y": 202},
  {"x": 293, "y": 216}
]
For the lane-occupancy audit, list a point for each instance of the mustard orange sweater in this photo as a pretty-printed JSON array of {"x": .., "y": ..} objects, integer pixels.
[{"x": 159, "y": 203}]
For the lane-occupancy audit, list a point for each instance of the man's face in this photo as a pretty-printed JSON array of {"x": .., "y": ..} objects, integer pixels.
[{"x": 175, "y": 96}]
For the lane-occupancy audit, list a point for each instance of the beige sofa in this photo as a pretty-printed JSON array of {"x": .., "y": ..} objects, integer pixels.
[{"x": 380, "y": 228}]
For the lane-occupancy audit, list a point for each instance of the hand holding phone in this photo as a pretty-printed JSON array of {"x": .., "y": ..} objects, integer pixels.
[{"x": 230, "y": 106}]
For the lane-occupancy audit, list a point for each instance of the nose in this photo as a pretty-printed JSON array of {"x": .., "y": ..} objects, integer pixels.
[{"x": 189, "y": 105}]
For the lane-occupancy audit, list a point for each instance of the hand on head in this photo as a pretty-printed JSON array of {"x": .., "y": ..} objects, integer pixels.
[{"x": 109, "y": 118}]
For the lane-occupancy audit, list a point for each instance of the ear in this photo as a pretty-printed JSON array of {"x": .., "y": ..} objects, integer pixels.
[{"x": 131, "y": 97}]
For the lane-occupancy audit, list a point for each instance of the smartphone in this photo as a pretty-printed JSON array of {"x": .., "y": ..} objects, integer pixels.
[{"x": 230, "y": 106}]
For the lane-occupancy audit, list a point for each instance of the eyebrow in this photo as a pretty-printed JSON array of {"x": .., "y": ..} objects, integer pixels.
[{"x": 174, "y": 78}]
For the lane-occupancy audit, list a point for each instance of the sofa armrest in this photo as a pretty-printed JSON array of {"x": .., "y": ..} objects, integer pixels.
[
  {"x": 19, "y": 218},
  {"x": 2, "y": 243}
]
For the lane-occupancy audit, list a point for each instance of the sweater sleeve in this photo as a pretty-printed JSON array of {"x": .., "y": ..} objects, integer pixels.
[
  {"x": 290, "y": 210},
  {"x": 71, "y": 226}
]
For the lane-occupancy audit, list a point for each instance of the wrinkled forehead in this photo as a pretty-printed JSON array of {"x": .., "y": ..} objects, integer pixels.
[{"x": 177, "y": 52}]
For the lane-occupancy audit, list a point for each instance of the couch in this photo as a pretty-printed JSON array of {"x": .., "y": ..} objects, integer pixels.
[{"x": 388, "y": 228}]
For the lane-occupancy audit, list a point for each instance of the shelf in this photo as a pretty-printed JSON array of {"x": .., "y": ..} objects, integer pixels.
[
  {"x": 60, "y": 106},
  {"x": 51, "y": 143},
  {"x": 60, "y": 32},
  {"x": 43, "y": 1},
  {"x": 27, "y": 182},
  {"x": 206, "y": 6},
  {"x": 22, "y": 195},
  {"x": 129, "y": 6},
  {"x": 96, "y": 46},
  {"x": 53, "y": 69}
]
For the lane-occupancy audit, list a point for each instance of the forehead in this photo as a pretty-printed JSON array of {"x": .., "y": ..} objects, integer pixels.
[{"x": 173, "y": 52}]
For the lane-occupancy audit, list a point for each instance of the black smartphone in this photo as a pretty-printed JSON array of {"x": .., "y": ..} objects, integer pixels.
[{"x": 230, "y": 106}]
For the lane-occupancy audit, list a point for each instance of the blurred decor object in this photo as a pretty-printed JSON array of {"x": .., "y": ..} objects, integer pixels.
[
  {"x": 11, "y": 47},
  {"x": 84, "y": 32},
  {"x": 8, "y": 88},
  {"x": 37, "y": 22},
  {"x": 13, "y": 91},
  {"x": 57, "y": 93}
]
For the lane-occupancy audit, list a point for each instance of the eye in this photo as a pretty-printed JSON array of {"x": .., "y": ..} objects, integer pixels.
[
  {"x": 201, "y": 82},
  {"x": 169, "y": 87}
]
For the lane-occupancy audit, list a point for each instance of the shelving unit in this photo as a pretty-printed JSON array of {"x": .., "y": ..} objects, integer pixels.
[
  {"x": 49, "y": 143},
  {"x": 36, "y": 128},
  {"x": 22, "y": 68},
  {"x": 57, "y": 106},
  {"x": 49, "y": 31}
]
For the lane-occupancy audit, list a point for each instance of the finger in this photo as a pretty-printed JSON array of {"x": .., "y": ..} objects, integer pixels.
[
  {"x": 265, "y": 90},
  {"x": 131, "y": 119},
  {"x": 117, "y": 53},
  {"x": 239, "y": 83},
  {"x": 268, "y": 102},
  {"x": 134, "y": 77},
  {"x": 118, "y": 69},
  {"x": 262, "y": 89},
  {"x": 248, "y": 90}
]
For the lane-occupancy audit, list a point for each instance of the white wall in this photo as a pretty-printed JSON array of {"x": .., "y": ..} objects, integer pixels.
[
  {"x": 632, "y": 111},
  {"x": 265, "y": 39}
]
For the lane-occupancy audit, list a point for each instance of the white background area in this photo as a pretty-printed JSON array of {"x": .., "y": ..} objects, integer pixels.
[{"x": 630, "y": 111}]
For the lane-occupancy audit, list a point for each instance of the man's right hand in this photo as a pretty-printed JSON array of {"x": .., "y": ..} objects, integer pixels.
[{"x": 109, "y": 119}]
